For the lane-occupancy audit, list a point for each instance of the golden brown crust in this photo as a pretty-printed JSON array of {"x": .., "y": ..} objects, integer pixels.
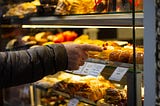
[
  {"x": 88, "y": 87},
  {"x": 139, "y": 57},
  {"x": 41, "y": 37},
  {"x": 124, "y": 56},
  {"x": 115, "y": 96},
  {"x": 114, "y": 56}
]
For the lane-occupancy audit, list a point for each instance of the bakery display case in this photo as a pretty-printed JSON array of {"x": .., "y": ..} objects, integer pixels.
[
  {"x": 111, "y": 77},
  {"x": 99, "y": 88}
]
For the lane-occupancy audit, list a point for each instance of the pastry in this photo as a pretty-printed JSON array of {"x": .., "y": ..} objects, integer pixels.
[
  {"x": 41, "y": 37},
  {"x": 114, "y": 56}
]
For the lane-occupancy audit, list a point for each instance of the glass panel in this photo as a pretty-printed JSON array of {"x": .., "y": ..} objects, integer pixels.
[{"x": 66, "y": 7}]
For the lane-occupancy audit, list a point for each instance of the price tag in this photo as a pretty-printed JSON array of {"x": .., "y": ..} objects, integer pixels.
[
  {"x": 79, "y": 71},
  {"x": 89, "y": 68},
  {"x": 73, "y": 102},
  {"x": 93, "y": 69},
  {"x": 118, "y": 73}
]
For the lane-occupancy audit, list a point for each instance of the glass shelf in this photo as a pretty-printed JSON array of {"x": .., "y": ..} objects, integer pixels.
[
  {"x": 110, "y": 19},
  {"x": 118, "y": 19}
]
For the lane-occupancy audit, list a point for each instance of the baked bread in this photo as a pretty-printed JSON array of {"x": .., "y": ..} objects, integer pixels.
[
  {"x": 87, "y": 87},
  {"x": 41, "y": 37},
  {"x": 139, "y": 57},
  {"x": 115, "y": 96},
  {"x": 114, "y": 56},
  {"x": 124, "y": 56},
  {"x": 74, "y": 7}
]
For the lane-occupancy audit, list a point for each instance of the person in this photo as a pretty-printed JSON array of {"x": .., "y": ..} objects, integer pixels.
[{"x": 27, "y": 66}]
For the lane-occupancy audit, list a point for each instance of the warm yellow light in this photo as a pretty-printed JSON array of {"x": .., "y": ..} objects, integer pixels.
[{"x": 64, "y": 26}]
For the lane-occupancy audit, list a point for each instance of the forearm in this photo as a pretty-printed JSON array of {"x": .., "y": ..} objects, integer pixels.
[{"x": 20, "y": 67}]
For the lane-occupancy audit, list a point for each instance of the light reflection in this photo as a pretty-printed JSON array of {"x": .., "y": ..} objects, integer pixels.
[{"x": 70, "y": 26}]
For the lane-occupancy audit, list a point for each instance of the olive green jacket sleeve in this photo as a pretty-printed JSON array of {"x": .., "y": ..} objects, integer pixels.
[{"x": 26, "y": 66}]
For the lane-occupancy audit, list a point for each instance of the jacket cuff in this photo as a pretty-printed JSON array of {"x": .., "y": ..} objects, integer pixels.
[{"x": 61, "y": 58}]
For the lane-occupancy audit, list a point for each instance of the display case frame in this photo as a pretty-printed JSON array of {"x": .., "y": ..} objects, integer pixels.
[{"x": 98, "y": 20}]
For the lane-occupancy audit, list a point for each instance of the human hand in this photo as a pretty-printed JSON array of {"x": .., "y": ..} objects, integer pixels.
[{"x": 77, "y": 54}]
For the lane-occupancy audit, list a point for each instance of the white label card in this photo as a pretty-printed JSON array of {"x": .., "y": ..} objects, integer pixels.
[
  {"x": 79, "y": 70},
  {"x": 93, "y": 69},
  {"x": 73, "y": 102},
  {"x": 118, "y": 74}
]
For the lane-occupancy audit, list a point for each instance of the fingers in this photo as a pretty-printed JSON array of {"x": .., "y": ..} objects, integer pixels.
[
  {"x": 76, "y": 64},
  {"x": 77, "y": 54},
  {"x": 81, "y": 62},
  {"x": 88, "y": 47},
  {"x": 84, "y": 55}
]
